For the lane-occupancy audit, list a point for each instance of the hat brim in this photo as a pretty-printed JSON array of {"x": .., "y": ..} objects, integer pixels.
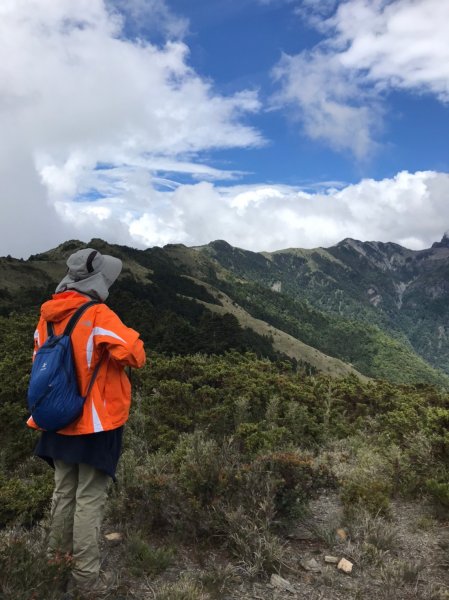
[{"x": 111, "y": 268}]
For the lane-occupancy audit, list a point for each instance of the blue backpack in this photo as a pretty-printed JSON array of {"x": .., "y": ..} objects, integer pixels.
[{"x": 54, "y": 400}]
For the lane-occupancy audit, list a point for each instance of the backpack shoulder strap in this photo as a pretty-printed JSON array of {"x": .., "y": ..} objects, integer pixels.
[
  {"x": 94, "y": 375},
  {"x": 76, "y": 316}
]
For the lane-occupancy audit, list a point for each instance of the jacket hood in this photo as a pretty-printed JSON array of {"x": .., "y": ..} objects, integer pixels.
[{"x": 62, "y": 305}]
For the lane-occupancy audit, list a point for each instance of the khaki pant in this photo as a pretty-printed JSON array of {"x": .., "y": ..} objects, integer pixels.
[{"x": 76, "y": 514}]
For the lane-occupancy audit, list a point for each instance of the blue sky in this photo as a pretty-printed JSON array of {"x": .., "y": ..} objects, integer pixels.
[
  {"x": 269, "y": 123},
  {"x": 240, "y": 49},
  {"x": 237, "y": 44}
]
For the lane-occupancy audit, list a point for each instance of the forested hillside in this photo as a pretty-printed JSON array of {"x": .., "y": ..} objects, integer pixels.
[{"x": 403, "y": 292}]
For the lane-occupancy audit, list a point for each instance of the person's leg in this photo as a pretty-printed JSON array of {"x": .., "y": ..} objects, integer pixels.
[
  {"x": 90, "y": 501},
  {"x": 60, "y": 540}
]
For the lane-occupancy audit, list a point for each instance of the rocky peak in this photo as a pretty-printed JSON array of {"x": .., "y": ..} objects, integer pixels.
[
  {"x": 385, "y": 256},
  {"x": 221, "y": 245},
  {"x": 351, "y": 243},
  {"x": 444, "y": 242}
]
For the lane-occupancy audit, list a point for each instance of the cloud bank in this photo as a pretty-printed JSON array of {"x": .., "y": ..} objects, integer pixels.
[{"x": 410, "y": 209}]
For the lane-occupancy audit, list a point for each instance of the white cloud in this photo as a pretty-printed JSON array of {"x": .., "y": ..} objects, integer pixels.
[
  {"x": 370, "y": 48},
  {"x": 74, "y": 92},
  {"x": 328, "y": 101},
  {"x": 410, "y": 209},
  {"x": 401, "y": 44}
]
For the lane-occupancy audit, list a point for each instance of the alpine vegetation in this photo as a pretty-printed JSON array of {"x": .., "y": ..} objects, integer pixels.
[{"x": 254, "y": 460}]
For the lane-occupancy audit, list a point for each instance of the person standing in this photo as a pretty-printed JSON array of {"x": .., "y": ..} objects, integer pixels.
[{"x": 85, "y": 454}]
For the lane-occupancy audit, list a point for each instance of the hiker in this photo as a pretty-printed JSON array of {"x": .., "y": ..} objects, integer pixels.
[{"x": 85, "y": 453}]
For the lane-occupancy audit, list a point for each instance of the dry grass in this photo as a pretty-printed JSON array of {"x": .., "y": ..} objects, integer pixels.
[
  {"x": 393, "y": 560},
  {"x": 282, "y": 342}
]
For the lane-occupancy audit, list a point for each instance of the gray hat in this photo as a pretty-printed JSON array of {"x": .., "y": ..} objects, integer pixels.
[{"x": 91, "y": 273}]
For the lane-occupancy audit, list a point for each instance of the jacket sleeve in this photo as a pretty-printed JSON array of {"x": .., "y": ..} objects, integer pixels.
[{"x": 122, "y": 343}]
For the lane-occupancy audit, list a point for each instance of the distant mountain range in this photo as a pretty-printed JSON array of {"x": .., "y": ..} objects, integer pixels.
[{"x": 371, "y": 308}]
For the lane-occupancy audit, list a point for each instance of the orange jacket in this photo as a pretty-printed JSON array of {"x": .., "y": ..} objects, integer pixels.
[{"x": 99, "y": 332}]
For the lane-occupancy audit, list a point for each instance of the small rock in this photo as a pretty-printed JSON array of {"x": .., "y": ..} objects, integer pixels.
[
  {"x": 345, "y": 565},
  {"x": 333, "y": 560},
  {"x": 311, "y": 565},
  {"x": 114, "y": 537},
  {"x": 341, "y": 535},
  {"x": 281, "y": 584}
]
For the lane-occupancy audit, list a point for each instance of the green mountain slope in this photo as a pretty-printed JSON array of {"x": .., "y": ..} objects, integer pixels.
[
  {"x": 305, "y": 305},
  {"x": 403, "y": 292},
  {"x": 267, "y": 288},
  {"x": 151, "y": 295}
]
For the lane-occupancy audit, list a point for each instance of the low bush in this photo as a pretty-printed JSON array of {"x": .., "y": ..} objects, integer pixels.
[
  {"x": 24, "y": 500},
  {"x": 198, "y": 490},
  {"x": 438, "y": 492},
  {"x": 298, "y": 480},
  {"x": 254, "y": 438},
  {"x": 25, "y": 571},
  {"x": 142, "y": 559},
  {"x": 370, "y": 494}
]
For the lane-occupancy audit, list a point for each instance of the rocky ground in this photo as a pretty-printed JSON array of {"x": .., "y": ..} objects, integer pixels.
[{"x": 403, "y": 557}]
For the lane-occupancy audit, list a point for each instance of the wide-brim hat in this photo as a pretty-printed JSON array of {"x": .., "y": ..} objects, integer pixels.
[{"x": 91, "y": 273}]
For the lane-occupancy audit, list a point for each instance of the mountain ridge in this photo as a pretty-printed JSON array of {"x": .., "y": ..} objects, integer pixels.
[
  {"x": 402, "y": 291},
  {"x": 340, "y": 301}
]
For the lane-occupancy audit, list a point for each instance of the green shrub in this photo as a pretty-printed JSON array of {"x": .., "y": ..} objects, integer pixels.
[
  {"x": 439, "y": 494},
  {"x": 437, "y": 425},
  {"x": 409, "y": 465},
  {"x": 198, "y": 463},
  {"x": 142, "y": 559},
  {"x": 24, "y": 501},
  {"x": 370, "y": 494},
  {"x": 139, "y": 498},
  {"x": 400, "y": 422},
  {"x": 255, "y": 438},
  {"x": 297, "y": 479}
]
